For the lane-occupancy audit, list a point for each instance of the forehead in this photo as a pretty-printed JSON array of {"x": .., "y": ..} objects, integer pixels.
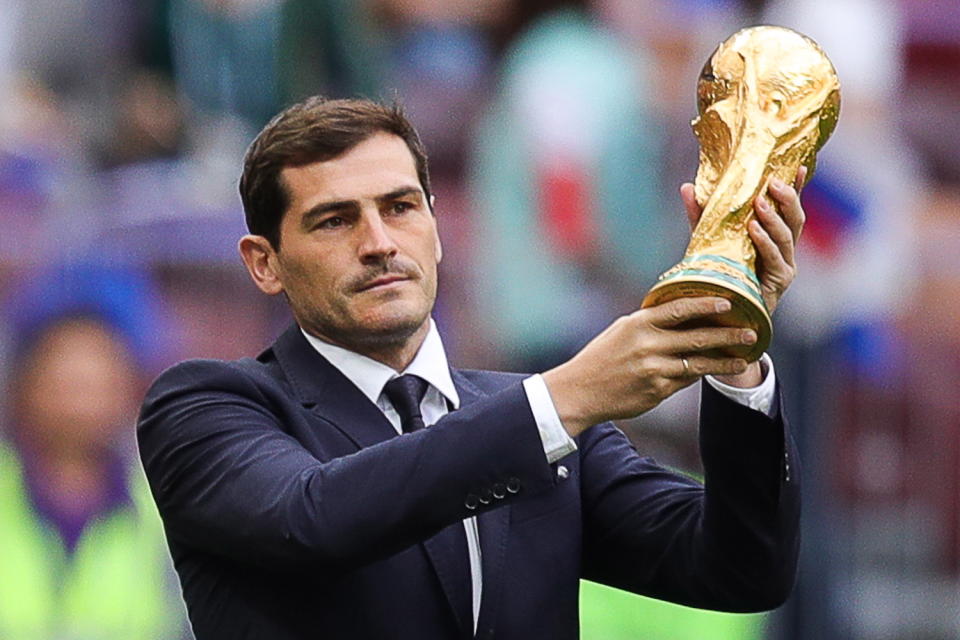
[
  {"x": 380, "y": 164},
  {"x": 77, "y": 343}
]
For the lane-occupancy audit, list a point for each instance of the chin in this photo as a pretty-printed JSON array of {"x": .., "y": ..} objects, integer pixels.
[{"x": 395, "y": 322}]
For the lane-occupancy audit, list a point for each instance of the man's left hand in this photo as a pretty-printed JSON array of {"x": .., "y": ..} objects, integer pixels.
[{"x": 774, "y": 234}]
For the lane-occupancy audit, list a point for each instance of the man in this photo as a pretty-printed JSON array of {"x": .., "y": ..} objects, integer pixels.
[{"x": 296, "y": 508}]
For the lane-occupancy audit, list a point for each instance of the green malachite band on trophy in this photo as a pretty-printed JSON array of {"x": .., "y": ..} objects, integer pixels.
[
  {"x": 737, "y": 284},
  {"x": 742, "y": 268}
]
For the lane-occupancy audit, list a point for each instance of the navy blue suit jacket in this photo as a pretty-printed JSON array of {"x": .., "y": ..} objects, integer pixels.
[{"x": 293, "y": 510}]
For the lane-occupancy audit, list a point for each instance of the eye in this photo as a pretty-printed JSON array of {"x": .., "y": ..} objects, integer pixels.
[
  {"x": 332, "y": 222},
  {"x": 400, "y": 207}
]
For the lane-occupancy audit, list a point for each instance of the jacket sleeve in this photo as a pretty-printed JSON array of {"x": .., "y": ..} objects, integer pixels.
[
  {"x": 229, "y": 479},
  {"x": 730, "y": 544}
]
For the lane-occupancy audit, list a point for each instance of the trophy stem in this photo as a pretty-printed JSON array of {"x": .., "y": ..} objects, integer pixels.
[{"x": 712, "y": 275}]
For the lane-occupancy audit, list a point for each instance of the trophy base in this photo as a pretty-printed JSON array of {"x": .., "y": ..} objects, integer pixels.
[{"x": 747, "y": 309}]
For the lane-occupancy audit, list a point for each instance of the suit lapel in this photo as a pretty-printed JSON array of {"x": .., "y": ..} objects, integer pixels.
[
  {"x": 320, "y": 386},
  {"x": 493, "y": 526}
]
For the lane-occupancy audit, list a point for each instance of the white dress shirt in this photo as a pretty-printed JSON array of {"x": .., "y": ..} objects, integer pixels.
[{"x": 430, "y": 363}]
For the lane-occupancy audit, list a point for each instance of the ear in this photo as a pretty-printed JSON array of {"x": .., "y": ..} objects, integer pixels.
[{"x": 261, "y": 261}]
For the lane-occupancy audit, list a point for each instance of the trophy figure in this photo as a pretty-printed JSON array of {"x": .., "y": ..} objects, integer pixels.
[{"x": 768, "y": 99}]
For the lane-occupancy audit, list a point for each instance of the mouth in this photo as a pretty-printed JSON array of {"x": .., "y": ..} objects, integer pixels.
[{"x": 381, "y": 282}]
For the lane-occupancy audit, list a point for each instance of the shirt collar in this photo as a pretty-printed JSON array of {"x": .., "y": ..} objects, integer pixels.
[{"x": 370, "y": 376}]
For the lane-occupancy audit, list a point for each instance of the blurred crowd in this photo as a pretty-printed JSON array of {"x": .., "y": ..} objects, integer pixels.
[{"x": 558, "y": 134}]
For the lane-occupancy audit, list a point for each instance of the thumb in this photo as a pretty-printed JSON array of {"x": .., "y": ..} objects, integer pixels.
[{"x": 689, "y": 198}]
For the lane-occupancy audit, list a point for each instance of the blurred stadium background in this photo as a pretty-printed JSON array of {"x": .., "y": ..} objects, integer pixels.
[{"x": 558, "y": 134}]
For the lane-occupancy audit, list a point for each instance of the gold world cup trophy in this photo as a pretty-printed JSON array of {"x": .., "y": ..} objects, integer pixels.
[{"x": 768, "y": 100}]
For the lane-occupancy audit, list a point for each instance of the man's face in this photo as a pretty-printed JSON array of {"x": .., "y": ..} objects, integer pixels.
[{"x": 359, "y": 247}]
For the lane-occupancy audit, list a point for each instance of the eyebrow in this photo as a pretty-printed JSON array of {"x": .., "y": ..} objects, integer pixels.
[
  {"x": 400, "y": 193},
  {"x": 343, "y": 205}
]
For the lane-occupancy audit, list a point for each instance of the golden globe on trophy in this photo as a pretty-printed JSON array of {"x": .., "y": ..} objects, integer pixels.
[{"x": 768, "y": 100}]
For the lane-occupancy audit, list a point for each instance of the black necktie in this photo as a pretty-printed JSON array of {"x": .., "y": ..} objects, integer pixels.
[
  {"x": 406, "y": 393},
  {"x": 449, "y": 546}
]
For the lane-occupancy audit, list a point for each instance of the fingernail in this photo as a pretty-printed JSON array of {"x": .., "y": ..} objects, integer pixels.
[
  {"x": 749, "y": 336},
  {"x": 722, "y": 306},
  {"x": 778, "y": 184},
  {"x": 763, "y": 204}
]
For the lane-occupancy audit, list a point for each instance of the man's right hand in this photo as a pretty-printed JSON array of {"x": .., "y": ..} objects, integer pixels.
[{"x": 638, "y": 361}]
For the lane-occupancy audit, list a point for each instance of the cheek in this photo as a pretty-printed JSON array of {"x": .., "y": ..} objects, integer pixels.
[
  {"x": 309, "y": 284},
  {"x": 429, "y": 264}
]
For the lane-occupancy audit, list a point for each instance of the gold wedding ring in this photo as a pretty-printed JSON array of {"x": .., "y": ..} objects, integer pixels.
[{"x": 686, "y": 366}]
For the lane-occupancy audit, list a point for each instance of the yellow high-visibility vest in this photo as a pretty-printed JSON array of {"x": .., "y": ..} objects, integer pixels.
[
  {"x": 116, "y": 585},
  {"x": 610, "y": 614}
]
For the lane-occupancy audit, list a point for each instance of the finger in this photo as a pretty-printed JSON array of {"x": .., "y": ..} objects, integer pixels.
[
  {"x": 776, "y": 228},
  {"x": 689, "y": 198},
  {"x": 670, "y": 314},
  {"x": 801, "y": 180},
  {"x": 670, "y": 367},
  {"x": 790, "y": 207},
  {"x": 775, "y": 266},
  {"x": 709, "y": 366},
  {"x": 694, "y": 341}
]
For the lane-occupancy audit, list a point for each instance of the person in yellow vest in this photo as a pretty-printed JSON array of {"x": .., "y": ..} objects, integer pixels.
[{"x": 82, "y": 554}]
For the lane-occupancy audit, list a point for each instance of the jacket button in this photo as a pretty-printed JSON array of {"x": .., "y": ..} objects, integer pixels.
[
  {"x": 562, "y": 472},
  {"x": 513, "y": 485},
  {"x": 471, "y": 502},
  {"x": 486, "y": 496},
  {"x": 499, "y": 491}
]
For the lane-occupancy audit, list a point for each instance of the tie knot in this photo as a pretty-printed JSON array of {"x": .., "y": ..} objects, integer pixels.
[{"x": 405, "y": 393}]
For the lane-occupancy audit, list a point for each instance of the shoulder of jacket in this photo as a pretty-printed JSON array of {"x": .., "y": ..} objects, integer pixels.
[{"x": 197, "y": 374}]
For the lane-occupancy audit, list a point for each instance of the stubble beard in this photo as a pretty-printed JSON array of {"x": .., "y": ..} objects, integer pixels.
[
  {"x": 371, "y": 331},
  {"x": 375, "y": 334}
]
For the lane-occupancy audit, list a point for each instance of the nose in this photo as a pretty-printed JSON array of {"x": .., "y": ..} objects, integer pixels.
[{"x": 376, "y": 244}]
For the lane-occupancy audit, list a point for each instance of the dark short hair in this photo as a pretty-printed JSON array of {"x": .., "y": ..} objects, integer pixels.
[{"x": 314, "y": 130}]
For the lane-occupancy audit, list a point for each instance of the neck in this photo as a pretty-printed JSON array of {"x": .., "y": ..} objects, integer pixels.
[{"x": 397, "y": 352}]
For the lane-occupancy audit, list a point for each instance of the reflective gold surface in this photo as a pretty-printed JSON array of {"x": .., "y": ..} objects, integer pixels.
[{"x": 768, "y": 100}]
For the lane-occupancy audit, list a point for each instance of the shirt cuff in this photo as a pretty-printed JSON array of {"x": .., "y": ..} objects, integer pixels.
[
  {"x": 760, "y": 398},
  {"x": 557, "y": 443}
]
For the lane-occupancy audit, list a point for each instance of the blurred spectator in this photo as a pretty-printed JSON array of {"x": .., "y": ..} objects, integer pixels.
[
  {"x": 82, "y": 553},
  {"x": 570, "y": 224}
]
